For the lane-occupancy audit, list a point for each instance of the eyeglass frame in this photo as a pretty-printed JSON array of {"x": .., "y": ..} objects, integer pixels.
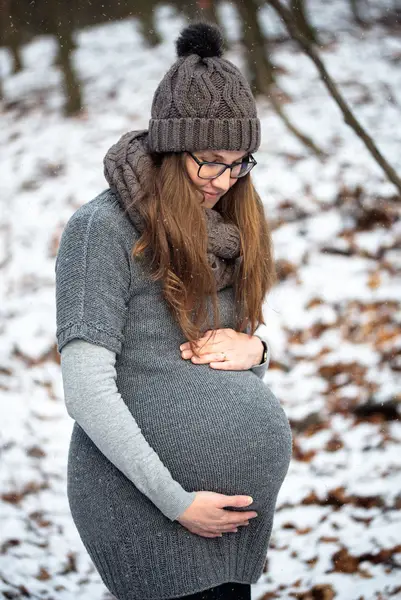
[{"x": 200, "y": 163}]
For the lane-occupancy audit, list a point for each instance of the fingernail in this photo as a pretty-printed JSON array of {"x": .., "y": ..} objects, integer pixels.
[{"x": 250, "y": 499}]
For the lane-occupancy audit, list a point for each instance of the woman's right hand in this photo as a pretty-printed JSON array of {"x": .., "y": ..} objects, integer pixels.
[{"x": 206, "y": 515}]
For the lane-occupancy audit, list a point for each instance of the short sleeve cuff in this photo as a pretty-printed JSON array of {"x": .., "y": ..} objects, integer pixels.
[{"x": 90, "y": 333}]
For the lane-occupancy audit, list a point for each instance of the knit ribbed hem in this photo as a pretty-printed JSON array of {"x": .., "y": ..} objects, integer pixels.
[
  {"x": 180, "y": 566},
  {"x": 195, "y": 134}
]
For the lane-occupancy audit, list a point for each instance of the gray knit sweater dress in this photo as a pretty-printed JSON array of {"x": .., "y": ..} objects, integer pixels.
[{"x": 216, "y": 430}]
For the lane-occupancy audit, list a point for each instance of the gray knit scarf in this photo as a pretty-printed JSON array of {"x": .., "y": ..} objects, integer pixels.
[{"x": 128, "y": 166}]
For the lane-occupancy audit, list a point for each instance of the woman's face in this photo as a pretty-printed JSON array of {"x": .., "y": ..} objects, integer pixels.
[{"x": 212, "y": 189}]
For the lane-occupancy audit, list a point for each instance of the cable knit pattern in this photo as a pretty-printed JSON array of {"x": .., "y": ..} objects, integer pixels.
[
  {"x": 215, "y": 430},
  {"x": 203, "y": 103},
  {"x": 127, "y": 166}
]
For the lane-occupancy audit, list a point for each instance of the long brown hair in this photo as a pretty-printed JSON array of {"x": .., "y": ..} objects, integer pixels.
[{"x": 175, "y": 242}]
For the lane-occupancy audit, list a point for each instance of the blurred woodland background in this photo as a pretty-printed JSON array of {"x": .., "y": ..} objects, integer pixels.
[{"x": 75, "y": 76}]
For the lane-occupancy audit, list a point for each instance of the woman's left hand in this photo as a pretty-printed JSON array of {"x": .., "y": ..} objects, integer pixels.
[{"x": 227, "y": 350}]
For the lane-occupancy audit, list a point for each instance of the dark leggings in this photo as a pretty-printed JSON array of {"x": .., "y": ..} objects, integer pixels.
[{"x": 226, "y": 591}]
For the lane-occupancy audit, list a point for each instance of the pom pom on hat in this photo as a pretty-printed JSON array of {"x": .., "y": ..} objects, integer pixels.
[{"x": 202, "y": 39}]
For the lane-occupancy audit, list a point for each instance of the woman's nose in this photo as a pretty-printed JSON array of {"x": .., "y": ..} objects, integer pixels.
[{"x": 222, "y": 181}]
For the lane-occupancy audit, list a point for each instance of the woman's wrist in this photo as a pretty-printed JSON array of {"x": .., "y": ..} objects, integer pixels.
[{"x": 259, "y": 351}]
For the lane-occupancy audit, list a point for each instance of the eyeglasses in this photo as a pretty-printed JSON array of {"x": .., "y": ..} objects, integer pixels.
[{"x": 211, "y": 170}]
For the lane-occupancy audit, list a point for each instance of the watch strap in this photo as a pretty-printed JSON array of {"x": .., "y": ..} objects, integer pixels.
[{"x": 265, "y": 352}]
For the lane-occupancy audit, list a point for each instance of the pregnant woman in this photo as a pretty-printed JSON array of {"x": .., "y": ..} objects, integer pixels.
[{"x": 178, "y": 448}]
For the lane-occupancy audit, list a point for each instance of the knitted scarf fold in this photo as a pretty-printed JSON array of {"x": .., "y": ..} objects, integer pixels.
[{"x": 128, "y": 166}]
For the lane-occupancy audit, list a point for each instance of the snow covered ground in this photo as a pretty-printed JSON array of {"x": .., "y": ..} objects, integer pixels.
[{"x": 334, "y": 318}]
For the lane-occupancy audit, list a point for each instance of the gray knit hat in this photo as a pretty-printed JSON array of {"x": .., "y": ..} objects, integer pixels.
[{"x": 203, "y": 102}]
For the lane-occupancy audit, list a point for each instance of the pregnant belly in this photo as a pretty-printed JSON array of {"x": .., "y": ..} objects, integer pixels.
[{"x": 221, "y": 431}]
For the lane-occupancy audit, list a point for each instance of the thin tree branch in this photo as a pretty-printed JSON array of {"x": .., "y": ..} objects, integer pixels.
[
  {"x": 302, "y": 137},
  {"x": 349, "y": 118}
]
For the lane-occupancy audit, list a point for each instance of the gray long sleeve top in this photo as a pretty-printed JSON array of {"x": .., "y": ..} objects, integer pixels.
[{"x": 92, "y": 396}]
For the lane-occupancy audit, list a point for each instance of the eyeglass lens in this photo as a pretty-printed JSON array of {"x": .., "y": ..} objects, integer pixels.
[{"x": 212, "y": 170}]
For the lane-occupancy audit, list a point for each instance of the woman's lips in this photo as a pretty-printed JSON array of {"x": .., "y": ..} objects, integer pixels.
[{"x": 211, "y": 194}]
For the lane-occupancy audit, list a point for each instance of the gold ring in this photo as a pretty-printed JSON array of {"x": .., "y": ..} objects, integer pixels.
[{"x": 224, "y": 356}]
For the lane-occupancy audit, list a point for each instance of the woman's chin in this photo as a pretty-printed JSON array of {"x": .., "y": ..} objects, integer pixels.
[{"x": 210, "y": 201}]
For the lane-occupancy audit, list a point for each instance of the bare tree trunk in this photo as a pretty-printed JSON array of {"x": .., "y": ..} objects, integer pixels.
[
  {"x": 357, "y": 12},
  {"x": 62, "y": 24},
  {"x": 15, "y": 51},
  {"x": 302, "y": 22},
  {"x": 146, "y": 17},
  {"x": 9, "y": 33},
  {"x": 260, "y": 68},
  {"x": 349, "y": 118},
  {"x": 5, "y": 17},
  {"x": 73, "y": 104}
]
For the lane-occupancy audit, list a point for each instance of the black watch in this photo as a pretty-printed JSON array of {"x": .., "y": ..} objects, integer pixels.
[{"x": 265, "y": 351}]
